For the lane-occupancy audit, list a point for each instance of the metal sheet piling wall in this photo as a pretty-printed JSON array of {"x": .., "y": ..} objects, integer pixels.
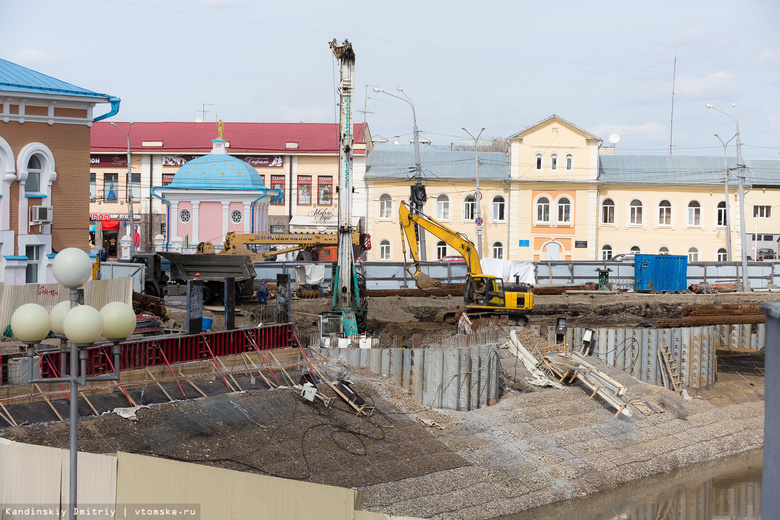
[
  {"x": 693, "y": 348},
  {"x": 454, "y": 379}
]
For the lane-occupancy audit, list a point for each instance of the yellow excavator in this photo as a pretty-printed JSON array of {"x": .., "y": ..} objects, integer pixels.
[{"x": 484, "y": 295}]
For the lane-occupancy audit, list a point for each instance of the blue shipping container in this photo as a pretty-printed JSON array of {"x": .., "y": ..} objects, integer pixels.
[{"x": 660, "y": 273}]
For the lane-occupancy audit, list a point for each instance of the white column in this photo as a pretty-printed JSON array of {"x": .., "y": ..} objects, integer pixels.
[
  {"x": 225, "y": 218},
  {"x": 248, "y": 216},
  {"x": 174, "y": 223},
  {"x": 195, "y": 221}
]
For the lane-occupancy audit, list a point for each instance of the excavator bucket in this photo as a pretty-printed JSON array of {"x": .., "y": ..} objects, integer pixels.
[{"x": 425, "y": 282}]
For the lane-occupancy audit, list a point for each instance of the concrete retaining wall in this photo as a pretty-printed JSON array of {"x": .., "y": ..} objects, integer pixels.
[
  {"x": 693, "y": 348},
  {"x": 454, "y": 379}
]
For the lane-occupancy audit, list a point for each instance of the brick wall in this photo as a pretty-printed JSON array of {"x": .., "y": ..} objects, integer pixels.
[{"x": 69, "y": 145}]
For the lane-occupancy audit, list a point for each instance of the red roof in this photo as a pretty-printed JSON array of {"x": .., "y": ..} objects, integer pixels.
[{"x": 243, "y": 137}]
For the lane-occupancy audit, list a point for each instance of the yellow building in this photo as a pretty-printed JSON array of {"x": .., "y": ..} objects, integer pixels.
[{"x": 561, "y": 195}]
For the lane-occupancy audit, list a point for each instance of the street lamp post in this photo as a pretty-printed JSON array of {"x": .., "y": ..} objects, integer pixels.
[
  {"x": 129, "y": 186},
  {"x": 82, "y": 325},
  {"x": 478, "y": 194},
  {"x": 726, "y": 184},
  {"x": 741, "y": 178},
  {"x": 418, "y": 197}
]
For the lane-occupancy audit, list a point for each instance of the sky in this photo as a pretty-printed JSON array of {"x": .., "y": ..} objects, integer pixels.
[{"x": 643, "y": 71}]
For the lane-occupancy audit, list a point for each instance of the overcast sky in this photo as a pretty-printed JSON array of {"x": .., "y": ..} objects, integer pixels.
[{"x": 607, "y": 67}]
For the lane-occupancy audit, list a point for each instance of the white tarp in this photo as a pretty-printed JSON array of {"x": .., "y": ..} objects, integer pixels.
[
  {"x": 309, "y": 274},
  {"x": 509, "y": 271}
]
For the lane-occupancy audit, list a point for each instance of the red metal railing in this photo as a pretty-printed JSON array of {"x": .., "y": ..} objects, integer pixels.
[{"x": 162, "y": 350}]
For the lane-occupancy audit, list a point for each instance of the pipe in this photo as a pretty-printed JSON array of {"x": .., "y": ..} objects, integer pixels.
[
  {"x": 114, "y": 109},
  {"x": 168, "y": 216},
  {"x": 252, "y": 209}
]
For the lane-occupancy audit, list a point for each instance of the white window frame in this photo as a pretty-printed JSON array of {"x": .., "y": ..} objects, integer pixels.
[
  {"x": 664, "y": 250},
  {"x": 385, "y": 207},
  {"x": 762, "y": 211},
  {"x": 694, "y": 214},
  {"x": 537, "y": 204},
  {"x": 469, "y": 208},
  {"x": 441, "y": 249},
  {"x": 722, "y": 255},
  {"x": 693, "y": 254},
  {"x": 664, "y": 210},
  {"x": 607, "y": 252},
  {"x": 567, "y": 207},
  {"x": 185, "y": 211},
  {"x": 633, "y": 214},
  {"x": 721, "y": 216},
  {"x": 498, "y": 250},
  {"x": 539, "y": 162},
  {"x": 569, "y": 162},
  {"x": 608, "y": 203},
  {"x": 554, "y": 162},
  {"x": 499, "y": 208},
  {"x": 384, "y": 250},
  {"x": 443, "y": 208},
  {"x": 234, "y": 213}
]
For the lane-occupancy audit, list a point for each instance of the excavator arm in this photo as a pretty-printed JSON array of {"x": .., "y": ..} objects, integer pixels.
[{"x": 407, "y": 218}]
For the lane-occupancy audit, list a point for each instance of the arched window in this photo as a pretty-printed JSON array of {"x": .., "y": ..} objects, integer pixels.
[
  {"x": 608, "y": 212},
  {"x": 441, "y": 250},
  {"x": 538, "y": 162},
  {"x": 663, "y": 250},
  {"x": 569, "y": 162},
  {"x": 543, "y": 210},
  {"x": 498, "y": 208},
  {"x": 33, "y": 183},
  {"x": 636, "y": 212},
  {"x": 564, "y": 211},
  {"x": 665, "y": 213},
  {"x": 694, "y": 214},
  {"x": 384, "y": 250},
  {"x": 693, "y": 255},
  {"x": 636, "y": 250},
  {"x": 722, "y": 217},
  {"x": 385, "y": 207},
  {"x": 443, "y": 207},
  {"x": 554, "y": 162},
  {"x": 470, "y": 208},
  {"x": 606, "y": 252},
  {"x": 723, "y": 255},
  {"x": 498, "y": 250}
]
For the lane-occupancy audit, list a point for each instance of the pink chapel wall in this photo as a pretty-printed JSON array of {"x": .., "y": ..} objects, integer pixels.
[{"x": 210, "y": 223}]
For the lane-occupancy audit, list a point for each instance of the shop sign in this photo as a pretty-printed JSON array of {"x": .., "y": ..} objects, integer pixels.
[
  {"x": 262, "y": 160},
  {"x": 177, "y": 160},
  {"x": 99, "y": 216},
  {"x": 108, "y": 160}
]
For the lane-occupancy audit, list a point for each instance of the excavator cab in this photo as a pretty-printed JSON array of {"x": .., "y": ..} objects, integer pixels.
[{"x": 484, "y": 291}]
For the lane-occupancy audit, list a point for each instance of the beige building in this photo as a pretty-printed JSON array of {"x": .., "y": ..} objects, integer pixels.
[
  {"x": 561, "y": 195},
  {"x": 298, "y": 159}
]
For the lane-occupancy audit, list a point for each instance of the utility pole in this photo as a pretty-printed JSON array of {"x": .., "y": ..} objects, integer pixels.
[
  {"x": 741, "y": 178},
  {"x": 478, "y": 194},
  {"x": 129, "y": 187},
  {"x": 726, "y": 184},
  {"x": 418, "y": 195}
]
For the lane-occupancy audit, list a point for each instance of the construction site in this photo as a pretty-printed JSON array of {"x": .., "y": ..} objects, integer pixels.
[{"x": 488, "y": 436}]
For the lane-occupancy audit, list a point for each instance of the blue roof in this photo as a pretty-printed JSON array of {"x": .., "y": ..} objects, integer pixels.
[
  {"x": 217, "y": 171},
  {"x": 398, "y": 162},
  {"x": 15, "y": 78},
  {"x": 683, "y": 170}
]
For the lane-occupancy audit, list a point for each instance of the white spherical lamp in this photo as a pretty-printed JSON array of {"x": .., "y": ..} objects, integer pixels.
[
  {"x": 118, "y": 320},
  {"x": 30, "y": 323},
  {"x": 72, "y": 267},
  {"x": 58, "y": 317},
  {"x": 83, "y": 325}
]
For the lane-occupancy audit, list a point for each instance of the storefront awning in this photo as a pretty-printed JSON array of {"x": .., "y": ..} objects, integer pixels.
[{"x": 107, "y": 225}]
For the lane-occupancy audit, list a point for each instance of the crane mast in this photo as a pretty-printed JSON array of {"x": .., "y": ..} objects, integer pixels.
[{"x": 344, "y": 284}]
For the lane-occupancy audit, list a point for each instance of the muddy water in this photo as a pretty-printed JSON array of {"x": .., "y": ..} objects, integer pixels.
[{"x": 725, "y": 489}]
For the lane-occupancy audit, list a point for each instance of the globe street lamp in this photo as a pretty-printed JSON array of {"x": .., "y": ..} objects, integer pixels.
[
  {"x": 741, "y": 178},
  {"x": 82, "y": 325},
  {"x": 418, "y": 197}
]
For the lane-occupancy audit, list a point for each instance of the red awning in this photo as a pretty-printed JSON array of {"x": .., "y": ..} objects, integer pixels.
[{"x": 109, "y": 225}]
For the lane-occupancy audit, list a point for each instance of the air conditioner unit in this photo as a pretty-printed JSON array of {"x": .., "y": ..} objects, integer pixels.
[{"x": 41, "y": 214}]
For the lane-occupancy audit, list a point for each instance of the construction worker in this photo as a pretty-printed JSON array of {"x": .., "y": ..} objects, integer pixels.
[{"x": 262, "y": 293}]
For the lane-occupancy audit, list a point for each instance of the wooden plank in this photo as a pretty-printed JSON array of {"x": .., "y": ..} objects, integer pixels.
[
  {"x": 7, "y": 416},
  {"x": 48, "y": 402},
  {"x": 159, "y": 385}
]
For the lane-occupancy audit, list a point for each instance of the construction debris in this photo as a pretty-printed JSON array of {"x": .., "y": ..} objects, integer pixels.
[{"x": 539, "y": 378}]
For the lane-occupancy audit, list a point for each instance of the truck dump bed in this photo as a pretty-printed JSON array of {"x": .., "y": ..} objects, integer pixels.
[{"x": 210, "y": 267}]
